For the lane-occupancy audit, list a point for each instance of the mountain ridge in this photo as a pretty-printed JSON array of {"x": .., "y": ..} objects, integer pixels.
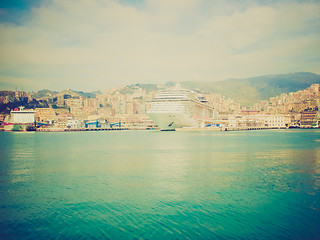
[
  {"x": 248, "y": 91},
  {"x": 245, "y": 91}
]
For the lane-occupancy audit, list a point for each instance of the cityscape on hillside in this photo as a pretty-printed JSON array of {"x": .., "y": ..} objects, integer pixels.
[{"x": 127, "y": 106}]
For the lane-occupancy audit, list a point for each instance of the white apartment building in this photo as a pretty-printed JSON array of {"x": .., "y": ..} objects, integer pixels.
[{"x": 263, "y": 121}]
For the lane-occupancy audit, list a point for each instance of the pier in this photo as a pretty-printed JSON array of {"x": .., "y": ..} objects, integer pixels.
[
  {"x": 79, "y": 129},
  {"x": 219, "y": 129}
]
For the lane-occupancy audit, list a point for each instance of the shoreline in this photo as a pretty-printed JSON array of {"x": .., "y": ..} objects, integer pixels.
[{"x": 186, "y": 129}]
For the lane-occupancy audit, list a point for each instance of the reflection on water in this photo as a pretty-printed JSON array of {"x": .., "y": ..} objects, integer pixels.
[{"x": 162, "y": 185}]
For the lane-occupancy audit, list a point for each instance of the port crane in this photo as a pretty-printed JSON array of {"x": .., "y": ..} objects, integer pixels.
[
  {"x": 96, "y": 123},
  {"x": 114, "y": 124}
]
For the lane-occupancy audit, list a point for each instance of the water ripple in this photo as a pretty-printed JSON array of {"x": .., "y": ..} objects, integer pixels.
[{"x": 262, "y": 185}]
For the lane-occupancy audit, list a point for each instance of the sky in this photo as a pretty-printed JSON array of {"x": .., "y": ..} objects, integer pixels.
[{"x": 92, "y": 45}]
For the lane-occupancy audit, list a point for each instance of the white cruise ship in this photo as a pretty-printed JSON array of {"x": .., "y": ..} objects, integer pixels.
[{"x": 177, "y": 108}]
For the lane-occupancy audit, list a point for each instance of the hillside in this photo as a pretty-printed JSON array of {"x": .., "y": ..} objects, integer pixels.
[
  {"x": 43, "y": 93},
  {"x": 252, "y": 90},
  {"x": 48, "y": 93},
  {"x": 243, "y": 91}
]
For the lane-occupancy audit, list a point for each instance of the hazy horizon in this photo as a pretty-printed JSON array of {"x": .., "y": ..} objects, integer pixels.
[
  {"x": 17, "y": 88},
  {"x": 101, "y": 44}
]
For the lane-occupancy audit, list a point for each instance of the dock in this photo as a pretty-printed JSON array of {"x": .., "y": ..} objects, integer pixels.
[
  {"x": 79, "y": 129},
  {"x": 219, "y": 129}
]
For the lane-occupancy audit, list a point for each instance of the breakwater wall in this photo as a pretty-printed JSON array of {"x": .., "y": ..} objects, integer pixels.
[{"x": 227, "y": 129}]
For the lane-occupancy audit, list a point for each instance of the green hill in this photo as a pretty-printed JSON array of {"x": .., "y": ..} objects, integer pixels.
[
  {"x": 43, "y": 93},
  {"x": 48, "y": 93},
  {"x": 252, "y": 90}
]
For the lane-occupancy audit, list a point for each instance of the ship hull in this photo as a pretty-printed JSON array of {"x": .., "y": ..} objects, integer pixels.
[
  {"x": 18, "y": 127},
  {"x": 171, "y": 121}
]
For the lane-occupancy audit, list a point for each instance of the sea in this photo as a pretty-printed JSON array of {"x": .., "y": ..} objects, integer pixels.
[{"x": 262, "y": 184}]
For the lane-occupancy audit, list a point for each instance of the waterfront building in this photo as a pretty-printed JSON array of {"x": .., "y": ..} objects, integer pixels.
[
  {"x": 309, "y": 118},
  {"x": 45, "y": 114},
  {"x": 74, "y": 102},
  {"x": 257, "y": 121},
  {"x": 90, "y": 105},
  {"x": 75, "y": 123},
  {"x": 130, "y": 108},
  {"x": 250, "y": 112},
  {"x": 276, "y": 121}
]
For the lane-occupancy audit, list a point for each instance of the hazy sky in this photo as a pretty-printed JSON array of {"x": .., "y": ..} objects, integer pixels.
[{"x": 99, "y": 44}]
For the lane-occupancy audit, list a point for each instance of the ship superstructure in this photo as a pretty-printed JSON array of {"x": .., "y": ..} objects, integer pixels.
[
  {"x": 20, "y": 120},
  {"x": 177, "y": 108}
]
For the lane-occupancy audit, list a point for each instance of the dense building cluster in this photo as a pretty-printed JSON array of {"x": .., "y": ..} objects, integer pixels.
[
  {"x": 293, "y": 109},
  {"x": 129, "y": 104},
  {"x": 294, "y": 102}
]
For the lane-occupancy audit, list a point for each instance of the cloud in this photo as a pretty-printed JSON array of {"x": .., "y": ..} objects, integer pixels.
[{"x": 99, "y": 44}]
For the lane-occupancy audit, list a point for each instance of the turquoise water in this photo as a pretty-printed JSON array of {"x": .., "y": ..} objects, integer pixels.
[{"x": 160, "y": 185}]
